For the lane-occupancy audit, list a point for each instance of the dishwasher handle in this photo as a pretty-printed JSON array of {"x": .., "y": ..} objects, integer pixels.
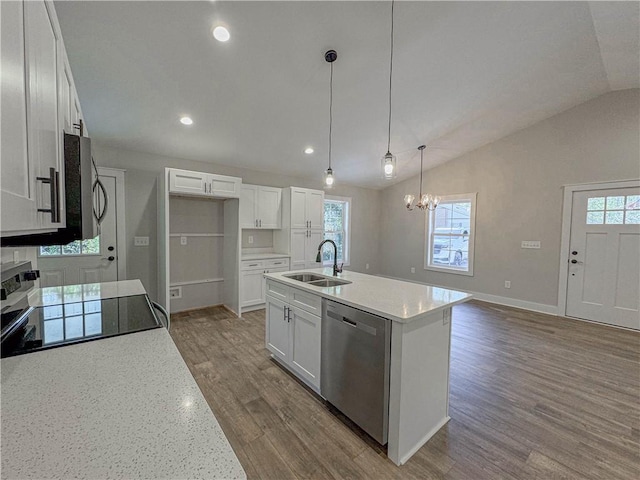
[{"x": 349, "y": 322}]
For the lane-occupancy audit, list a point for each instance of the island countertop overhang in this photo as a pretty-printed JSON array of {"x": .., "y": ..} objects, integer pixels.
[{"x": 397, "y": 300}]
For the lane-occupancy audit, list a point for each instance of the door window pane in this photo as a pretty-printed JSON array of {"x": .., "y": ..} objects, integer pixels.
[
  {"x": 615, "y": 203},
  {"x": 633, "y": 202},
  {"x": 79, "y": 247},
  {"x": 595, "y": 218},
  {"x": 613, "y": 218},
  {"x": 72, "y": 248},
  {"x": 595, "y": 203},
  {"x": 632, "y": 217}
]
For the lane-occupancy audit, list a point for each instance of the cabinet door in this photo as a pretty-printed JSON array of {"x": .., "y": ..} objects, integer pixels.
[
  {"x": 298, "y": 208},
  {"x": 315, "y": 209},
  {"x": 305, "y": 345},
  {"x": 45, "y": 148},
  {"x": 223, "y": 186},
  {"x": 277, "y": 329},
  {"x": 311, "y": 249},
  {"x": 299, "y": 239},
  {"x": 251, "y": 289},
  {"x": 248, "y": 206},
  {"x": 17, "y": 183},
  {"x": 190, "y": 183},
  {"x": 269, "y": 207}
]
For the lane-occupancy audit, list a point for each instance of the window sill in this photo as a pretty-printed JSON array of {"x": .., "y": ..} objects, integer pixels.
[{"x": 455, "y": 271}]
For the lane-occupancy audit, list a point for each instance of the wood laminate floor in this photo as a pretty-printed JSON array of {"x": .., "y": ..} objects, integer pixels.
[{"x": 532, "y": 396}]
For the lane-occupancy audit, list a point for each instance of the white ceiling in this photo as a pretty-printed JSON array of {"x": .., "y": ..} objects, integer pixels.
[{"x": 465, "y": 74}]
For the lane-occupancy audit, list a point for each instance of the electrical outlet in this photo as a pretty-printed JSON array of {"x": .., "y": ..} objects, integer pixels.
[
  {"x": 16, "y": 256},
  {"x": 175, "y": 292},
  {"x": 530, "y": 244},
  {"x": 141, "y": 241},
  {"x": 366, "y": 266},
  {"x": 413, "y": 269},
  {"x": 250, "y": 239},
  {"x": 507, "y": 284},
  {"x": 183, "y": 240}
]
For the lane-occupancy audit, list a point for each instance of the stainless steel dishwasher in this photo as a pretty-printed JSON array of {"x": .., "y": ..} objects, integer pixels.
[{"x": 355, "y": 358}]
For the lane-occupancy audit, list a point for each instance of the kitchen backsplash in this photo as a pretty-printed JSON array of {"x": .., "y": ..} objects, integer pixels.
[{"x": 261, "y": 238}]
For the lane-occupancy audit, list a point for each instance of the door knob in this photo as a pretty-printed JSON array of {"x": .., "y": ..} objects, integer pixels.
[
  {"x": 111, "y": 258},
  {"x": 575, "y": 261}
]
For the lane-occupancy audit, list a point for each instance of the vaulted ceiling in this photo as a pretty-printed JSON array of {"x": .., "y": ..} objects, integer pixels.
[{"x": 465, "y": 74}]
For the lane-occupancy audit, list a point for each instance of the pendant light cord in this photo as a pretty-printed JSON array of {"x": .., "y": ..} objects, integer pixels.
[
  {"x": 330, "y": 111},
  {"x": 390, "y": 77},
  {"x": 421, "y": 152}
]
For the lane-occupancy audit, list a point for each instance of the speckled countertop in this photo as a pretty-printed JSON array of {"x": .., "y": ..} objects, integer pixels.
[
  {"x": 389, "y": 298},
  {"x": 263, "y": 256},
  {"x": 118, "y": 408}
]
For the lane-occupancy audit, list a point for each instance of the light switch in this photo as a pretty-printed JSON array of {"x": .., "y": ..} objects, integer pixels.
[
  {"x": 250, "y": 239},
  {"x": 183, "y": 240},
  {"x": 141, "y": 241},
  {"x": 530, "y": 244}
]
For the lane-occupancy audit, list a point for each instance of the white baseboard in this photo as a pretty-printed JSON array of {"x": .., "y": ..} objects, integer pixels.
[{"x": 485, "y": 297}]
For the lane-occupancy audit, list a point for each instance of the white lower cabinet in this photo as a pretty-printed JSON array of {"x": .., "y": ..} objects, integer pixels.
[
  {"x": 293, "y": 334},
  {"x": 252, "y": 287}
]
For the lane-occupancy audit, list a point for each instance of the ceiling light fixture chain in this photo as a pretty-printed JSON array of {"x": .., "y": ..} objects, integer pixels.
[
  {"x": 330, "y": 56},
  {"x": 425, "y": 201},
  {"x": 389, "y": 170}
]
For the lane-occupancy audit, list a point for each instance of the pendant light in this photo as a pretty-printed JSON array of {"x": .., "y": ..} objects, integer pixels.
[
  {"x": 426, "y": 201},
  {"x": 330, "y": 56},
  {"x": 389, "y": 170}
]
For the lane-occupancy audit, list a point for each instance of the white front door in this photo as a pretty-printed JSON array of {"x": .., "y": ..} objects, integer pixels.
[
  {"x": 85, "y": 261},
  {"x": 604, "y": 257}
]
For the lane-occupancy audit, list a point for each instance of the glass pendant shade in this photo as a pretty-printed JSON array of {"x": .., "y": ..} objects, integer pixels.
[
  {"x": 328, "y": 177},
  {"x": 408, "y": 201},
  {"x": 389, "y": 169}
]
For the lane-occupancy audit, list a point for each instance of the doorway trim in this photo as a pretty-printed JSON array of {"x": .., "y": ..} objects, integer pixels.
[
  {"x": 121, "y": 236},
  {"x": 567, "y": 206}
]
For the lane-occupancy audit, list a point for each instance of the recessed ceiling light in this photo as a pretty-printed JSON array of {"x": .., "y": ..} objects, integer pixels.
[
  {"x": 221, "y": 34},
  {"x": 308, "y": 150},
  {"x": 186, "y": 120}
]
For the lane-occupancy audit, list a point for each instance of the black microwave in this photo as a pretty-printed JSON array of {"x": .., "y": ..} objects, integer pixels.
[{"x": 85, "y": 199}]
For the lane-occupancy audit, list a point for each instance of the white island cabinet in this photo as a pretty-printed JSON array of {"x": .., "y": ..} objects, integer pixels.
[{"x": 420, "y": 318}]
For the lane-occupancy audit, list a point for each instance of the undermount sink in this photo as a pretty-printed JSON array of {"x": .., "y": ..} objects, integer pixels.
[
  {"x": 316, "y": 280},
  {"x": 305, "y": 277},
  {"x": 328, "y": 282}
]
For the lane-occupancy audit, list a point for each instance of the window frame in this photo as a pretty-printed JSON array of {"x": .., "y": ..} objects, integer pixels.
[
  {"x": 430, "y": 219},
  {"x": 347, "y": 226}
]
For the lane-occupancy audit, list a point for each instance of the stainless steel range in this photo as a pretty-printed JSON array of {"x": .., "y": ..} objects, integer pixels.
[{"x": 27, "y": 329}]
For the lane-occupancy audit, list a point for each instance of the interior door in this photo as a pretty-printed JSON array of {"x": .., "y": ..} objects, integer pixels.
[
  {"x": 604, "y": 257},
  {"x": 86, "y": 261}
]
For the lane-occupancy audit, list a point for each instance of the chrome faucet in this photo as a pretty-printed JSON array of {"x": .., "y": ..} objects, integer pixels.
[{"x": 336, "y": 269}]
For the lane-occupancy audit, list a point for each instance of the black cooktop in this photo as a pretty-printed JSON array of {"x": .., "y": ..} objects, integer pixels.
[{"x": 28, "y": 329}]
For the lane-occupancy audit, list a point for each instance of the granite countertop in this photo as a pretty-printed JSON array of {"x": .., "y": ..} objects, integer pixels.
[
  {"x": 396, "y": 300},
  {"x": 263, "y": 256},
  {"x": 47, "y": 296},
  {"x": 121, "y": 407}
]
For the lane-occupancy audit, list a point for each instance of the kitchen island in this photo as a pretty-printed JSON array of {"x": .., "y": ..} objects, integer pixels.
[
  {"x": 420, "y": 317},
  {"x": 120, "y": 407}
]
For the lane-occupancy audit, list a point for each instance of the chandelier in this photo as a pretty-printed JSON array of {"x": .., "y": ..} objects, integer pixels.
[{"x": 425, "y": 201}]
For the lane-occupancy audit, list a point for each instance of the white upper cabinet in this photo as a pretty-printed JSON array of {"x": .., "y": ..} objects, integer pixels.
[
  {"x": 307, "y": 207},
  {"x": 36, "y": 94},
  {"x": 19, "y": 210},
  {"x": 186, "y": 182},
  {"x": 260, "y": 207},
  {"x": 304, "y": 248}
]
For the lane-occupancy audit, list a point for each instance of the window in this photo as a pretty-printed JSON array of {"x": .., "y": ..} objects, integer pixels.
[
  {"x": 337, "y": 211},
  {"x": 614, "y": 209},
  {"x": 450, "y": 232},
  {"x": 79, "y": 247}
]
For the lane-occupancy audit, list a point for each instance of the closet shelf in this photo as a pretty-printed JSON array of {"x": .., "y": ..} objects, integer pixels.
[
  {"x": 196, "y": 282},
  {"x": 196, "y": 234}
]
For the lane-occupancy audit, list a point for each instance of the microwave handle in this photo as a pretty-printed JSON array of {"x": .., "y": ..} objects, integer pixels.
[{"x": 100, "y": 217}]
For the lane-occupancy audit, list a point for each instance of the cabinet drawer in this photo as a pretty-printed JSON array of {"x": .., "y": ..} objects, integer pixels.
[
  {"x": 277, "y": 263},
  {"x": 277, "y": 290},
  {"x": 306, "y": 301},
  {"x": 252, "y": 265}
]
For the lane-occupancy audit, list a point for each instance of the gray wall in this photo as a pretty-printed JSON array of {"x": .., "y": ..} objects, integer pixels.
[
  {"x": 143, "y": 170},
  {"x": 519, "y": 183}
]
